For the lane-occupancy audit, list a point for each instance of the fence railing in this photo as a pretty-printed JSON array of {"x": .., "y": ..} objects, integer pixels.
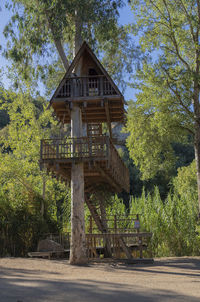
[
  {"x": 116, "y": 224},
  {"x": 99, "y": 148},
  {"x": 97, "y": 85},
  {"x": 69, "y": 148}
]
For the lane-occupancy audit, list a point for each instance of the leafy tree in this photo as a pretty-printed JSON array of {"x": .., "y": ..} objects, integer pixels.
[
  {"x": 186, "y": 183},
  {"x": 167, "y": 108},
  {"x": 21, "y": 181},
  {"x": 38, "y": 28}
]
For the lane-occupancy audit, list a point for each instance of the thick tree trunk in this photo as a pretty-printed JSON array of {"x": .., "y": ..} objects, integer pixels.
[
  {"x": 197, "y": 159},
  {"x": 196, "y": 106},
  {"x": 78, "y": 242},
  {"x": 78, "y": 35},
  {"x": 78, "y": 245}
]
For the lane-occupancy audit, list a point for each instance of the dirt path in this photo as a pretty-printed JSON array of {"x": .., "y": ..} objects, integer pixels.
[{"x": 33, "y": 280}]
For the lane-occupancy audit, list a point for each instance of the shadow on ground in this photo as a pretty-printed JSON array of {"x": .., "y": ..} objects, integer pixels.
[
  {"x": 187, "y": 266},
  {"x": 21, "y": 285}
]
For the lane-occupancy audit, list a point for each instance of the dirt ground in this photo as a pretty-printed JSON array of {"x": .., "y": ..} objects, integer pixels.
[{"x": 32, "y": 280}]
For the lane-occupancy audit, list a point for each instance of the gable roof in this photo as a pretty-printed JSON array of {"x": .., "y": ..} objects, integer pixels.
[{"x": 75, "y": 61}]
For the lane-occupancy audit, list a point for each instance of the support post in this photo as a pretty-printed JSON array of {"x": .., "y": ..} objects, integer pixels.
[
  {"x": 108, "y": 118},
  {"x": 78, "y": 241}
]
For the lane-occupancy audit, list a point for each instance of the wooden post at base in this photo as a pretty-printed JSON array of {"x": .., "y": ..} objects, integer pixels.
[{"x": 78, "y": 242}]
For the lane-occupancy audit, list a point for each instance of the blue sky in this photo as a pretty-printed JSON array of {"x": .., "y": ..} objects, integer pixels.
[
  {"x": 4, "y": 18},
  {"x": 126, "y": 16}
]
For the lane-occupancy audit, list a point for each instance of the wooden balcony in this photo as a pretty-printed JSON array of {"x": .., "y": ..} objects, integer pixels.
[
  {"x": 96, "y": 95},
  {"x": 86, "y": 87},
  {"x": 102, "y": 163}
]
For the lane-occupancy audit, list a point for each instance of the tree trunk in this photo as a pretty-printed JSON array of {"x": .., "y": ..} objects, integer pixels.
[
  {"x": 61, "y": 52},
  {"x": 78, "y": 245},
  {"x": 197, "y": 159},
  {"x": 78, "y": 35},
  {"x": 78, "y": 242},
  {"x": 196, "y": 106},
  {"x": 57, "y": 42}
]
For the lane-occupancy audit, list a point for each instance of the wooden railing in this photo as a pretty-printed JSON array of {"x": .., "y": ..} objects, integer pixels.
[
  {"x": 119, "y": 170},
  {"x": 89, "y": 86},
  {"x": 75, "y": 148},
  {"x": 96, "y": 148},
  {"x": 119, "y": 243},
  {"x": 116, "y": 224}
]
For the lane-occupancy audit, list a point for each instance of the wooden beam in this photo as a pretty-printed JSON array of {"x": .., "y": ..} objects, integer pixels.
[
  {"x": 107, "y": 178},
  {"x": 60, "y": 103},
  {"x": 96, "y": 116},
  {"x": 108, "y": 118},
  {"x": 94, "y": 213},
  {"x": 86, "y": 98},
  {"x": 91, "y": 174},
  {"x": 125, "y": 248}
]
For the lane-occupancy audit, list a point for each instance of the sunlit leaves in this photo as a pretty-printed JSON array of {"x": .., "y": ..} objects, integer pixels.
[{"x": 163, "y": 112}]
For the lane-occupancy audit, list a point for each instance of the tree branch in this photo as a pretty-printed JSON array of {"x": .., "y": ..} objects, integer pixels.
[
  {"x": 179, "y": 99},
  {"x": 189, "y": 20},
  {"x": 173, "y": 38},
  {"x": 58, "y": 44},
  {"x": 186, "y": 128}
]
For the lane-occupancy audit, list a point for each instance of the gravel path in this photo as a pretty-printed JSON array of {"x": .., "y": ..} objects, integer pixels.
[{"x": 33, "y": 280}]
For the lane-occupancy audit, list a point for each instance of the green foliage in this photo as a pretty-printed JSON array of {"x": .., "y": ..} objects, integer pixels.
[
  {"x": 164, "y": 111},
  {"x": 35, "y": 28},
  {"x": 21, "y": 228},
  {"x": 173, "y": 222},
  {"x": 186, "y": 181},
  {"x": 21, "y": 193},
  {"x": 154, "y": 124}
]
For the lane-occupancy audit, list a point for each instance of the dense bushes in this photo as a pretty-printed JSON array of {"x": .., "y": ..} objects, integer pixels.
[
  {"x": 31, "y": 202},
  {"x": 173, "y": 222},
  {"x": 21, "y": 228}
]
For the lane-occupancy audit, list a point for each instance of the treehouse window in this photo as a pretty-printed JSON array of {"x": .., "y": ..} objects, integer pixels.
[{"x": 93, "y": 88}]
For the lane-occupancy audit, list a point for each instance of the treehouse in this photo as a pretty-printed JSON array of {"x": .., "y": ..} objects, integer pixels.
[{"x": 88, "y": 87}]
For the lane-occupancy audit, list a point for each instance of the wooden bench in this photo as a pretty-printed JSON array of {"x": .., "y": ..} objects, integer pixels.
[
  {"x": 40, "y": 254},
  {"x": 47, "y": 254}
]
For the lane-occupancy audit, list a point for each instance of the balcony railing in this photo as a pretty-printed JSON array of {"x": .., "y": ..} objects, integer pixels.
[
  {"x": 75, "y": 148},
  {"x": 89, "y": 86},
  {"x": 98, "y": 148}
]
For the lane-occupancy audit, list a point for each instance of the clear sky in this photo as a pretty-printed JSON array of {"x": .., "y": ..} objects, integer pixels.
[
  {"x": 126, "y": 16},
  {"x": 4, "y": 18}
]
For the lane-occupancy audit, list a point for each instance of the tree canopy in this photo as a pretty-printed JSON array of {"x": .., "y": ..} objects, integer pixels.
[
  {"x": 37, "y": 29},
  {"x": 167, "y": 106}
]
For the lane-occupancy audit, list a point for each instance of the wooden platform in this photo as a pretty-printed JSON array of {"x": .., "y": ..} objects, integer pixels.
[
  {"x": 102, "y": 163},
  {"x": 120, "y": 243}
]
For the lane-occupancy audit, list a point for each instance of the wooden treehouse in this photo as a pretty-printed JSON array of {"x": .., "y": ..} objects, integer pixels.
[
  {"x": 85, "y": 99},
  {"x": 101, "y": 102}
]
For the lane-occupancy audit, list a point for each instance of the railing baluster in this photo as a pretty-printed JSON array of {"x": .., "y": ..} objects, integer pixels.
[{"x": 57, "y": 149}]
